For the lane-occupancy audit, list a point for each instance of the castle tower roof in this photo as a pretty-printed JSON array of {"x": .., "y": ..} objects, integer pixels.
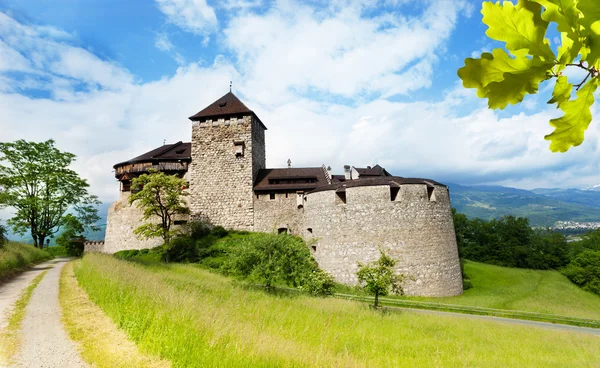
[{"x": 228, "y": 105}]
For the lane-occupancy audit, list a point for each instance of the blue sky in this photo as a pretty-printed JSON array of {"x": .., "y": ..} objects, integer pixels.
[{"x": 340, "y": 82}]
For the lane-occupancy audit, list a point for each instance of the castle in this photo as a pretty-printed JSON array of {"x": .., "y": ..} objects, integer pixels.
[{"x": 349, "y": 216}]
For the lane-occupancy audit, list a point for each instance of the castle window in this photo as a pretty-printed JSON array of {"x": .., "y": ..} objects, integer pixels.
[
  {"x": 125, "y": 186},
  {"x": 394, "y": 193},
  {"x": 299, "y": 201},
  {"x": 341, "y": 197},
  {"x": 239, "y": 148},
  {"x": 309, "y": 230},
  {"x": 257, "y": 196},
  {"x": 179, "y": 222},
  {"x": 282, "y": 230},
  {"x": 286, "y": 195},
  {"x": 431, "y": 194},
  {"x": 314, "y": 248},
  {"x": 271, "y": 196}
]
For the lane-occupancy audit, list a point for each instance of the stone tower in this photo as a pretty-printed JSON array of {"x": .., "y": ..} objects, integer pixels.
[{"x": 228, "y": 150}]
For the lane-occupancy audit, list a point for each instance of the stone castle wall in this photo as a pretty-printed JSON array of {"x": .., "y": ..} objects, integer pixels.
[
  {"x": 270, "y": 215},
  {"x": 121, "y": 221},
  {"x": 221, "y": 180},
  {"x": 414, "y": 229}
]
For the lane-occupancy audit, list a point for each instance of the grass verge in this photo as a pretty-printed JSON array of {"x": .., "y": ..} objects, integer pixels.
[
  {"x": 9, "y": 337},
  {"x": 101, "y": 343},
  {"x": 16, "y": 257},
  {"x": 196, "y": 318}
]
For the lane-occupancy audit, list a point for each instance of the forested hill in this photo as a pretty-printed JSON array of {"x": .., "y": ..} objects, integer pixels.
[{"x": 543, "y": 207}]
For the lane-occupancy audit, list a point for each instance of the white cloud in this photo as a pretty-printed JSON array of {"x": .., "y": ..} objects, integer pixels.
[
  {"x": 240, "y": 4},
  {"x": 194, "y": 16},
  {"x": 296, "y": 49},
  {"x": 162, "y": 42}
]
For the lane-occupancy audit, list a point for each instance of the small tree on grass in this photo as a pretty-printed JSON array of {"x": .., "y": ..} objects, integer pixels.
[
  {"x": 72, "y": 237},
  {"x": 159, "y": 196},
  {"x": 379, "y": 277},
  {"x": 278, "y": 258}
]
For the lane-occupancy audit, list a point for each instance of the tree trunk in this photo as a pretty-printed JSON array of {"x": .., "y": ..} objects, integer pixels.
[{"x": 376, "y": 299}]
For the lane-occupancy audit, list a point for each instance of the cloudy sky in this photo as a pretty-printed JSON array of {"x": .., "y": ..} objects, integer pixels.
[{"x": 341, "y": 82}]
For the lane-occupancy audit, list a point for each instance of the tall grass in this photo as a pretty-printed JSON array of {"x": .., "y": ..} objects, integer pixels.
[
  {"x": 196, "y": 318},
  {"x": 15, "y": 257}
]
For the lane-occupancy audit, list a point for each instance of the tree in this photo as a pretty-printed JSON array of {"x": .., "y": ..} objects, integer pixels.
[
  {"x": 2, "y": 236},
  {"x": 506, "y": 77},
  {"x": 584, "y": 271},
  {"x": 72, "y": 236},
  {"x": 277, "y": 258},
  {"x": 379, "y": 277},
  {"x": 159, "y": 196},
  {"x": 39, "y": 185}
]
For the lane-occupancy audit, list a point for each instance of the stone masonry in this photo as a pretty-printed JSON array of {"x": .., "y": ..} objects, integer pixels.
[{"x": 221, "y": 177}]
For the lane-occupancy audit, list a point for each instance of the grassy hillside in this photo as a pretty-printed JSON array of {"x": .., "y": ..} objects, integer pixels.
[
  {"x": 16, "y": 256},
  {"x": 546, "y": 292},
  {"x": 196, "y": 318},
  {"x": 542, "y": 207}
]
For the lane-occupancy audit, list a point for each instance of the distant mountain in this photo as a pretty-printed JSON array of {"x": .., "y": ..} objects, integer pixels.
[
  {"x": 91, "y": 235},
  {"x": 543, "y": 207}
]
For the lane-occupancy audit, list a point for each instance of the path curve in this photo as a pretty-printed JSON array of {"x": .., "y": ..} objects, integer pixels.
[
  {"x": 45, "y": 344},
  {"x": 10, "y": 291}
]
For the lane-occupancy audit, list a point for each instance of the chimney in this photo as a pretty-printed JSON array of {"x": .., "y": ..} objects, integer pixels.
[{"x": 347, "y": 172}]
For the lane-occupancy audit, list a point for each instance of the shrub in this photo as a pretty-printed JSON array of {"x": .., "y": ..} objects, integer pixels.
[
  {"x": 271, "y": 259},
  {"x": 196, "y": 230},
  {"x": 74, "y": 248},
  {"x": 2, "y": 236},
  {"x": 57, "y": 251},
  {"x": 318, "y": 283},
  {"x": 219, "y": 232},
  {"x": 584, "y": 271},
  {"x": 180, "y": 249}
]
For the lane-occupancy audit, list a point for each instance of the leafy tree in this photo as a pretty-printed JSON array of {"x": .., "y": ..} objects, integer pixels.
[
  {"x": 379, "y": 277},
  {"x": 72, "y": 236},
  {"x": 159, "y": 196},
  {"x": 271, "y": 259},
  {"x": 507, "y": 74},
  {"x": 3, "y": 239},
  {"x": 584, "y": 271},
  {"x": 37, "y": 182}
]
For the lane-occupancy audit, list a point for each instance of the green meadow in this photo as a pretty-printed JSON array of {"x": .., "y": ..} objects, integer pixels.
[
  {"x": 193, "y": 317},
  {"x": 15, "y": 257},
  {"x": 547, "y": 292}
]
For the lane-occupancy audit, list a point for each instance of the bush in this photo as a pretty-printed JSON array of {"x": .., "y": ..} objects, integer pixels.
[
  {"x": 3, "y": 239},
  {"x": 196, "y": 230},
  {"x": 57, "y": 251},
  {"x": 584, "y": 271},
  {"x": 180, "y": 249},
  {"x": 74, "y": 248},
  {"x": 318, "y": 283},
  {"x": 219, "y": 232},
  {"x": 271, "y": 259}
]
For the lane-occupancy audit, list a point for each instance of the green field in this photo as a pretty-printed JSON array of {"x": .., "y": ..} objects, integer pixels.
[
  {"x": 547, "y": 292},
  {"x": 196, "y": 318},
  {"x": 15, "y": 257}
]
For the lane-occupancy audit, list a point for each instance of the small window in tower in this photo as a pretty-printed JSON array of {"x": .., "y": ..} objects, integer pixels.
[
  {"x": 431, "y": 194},
  {"x": 271, "y": 196},
  {"x": 282, "y": 230},
  {"x": 341, "y": 198},
  {"x": 314, "y": 248},
  {"x": 286, "y": 195},
  {"x": 394, "y": 193},
  {"x": 239, "y": 148},
  {"x": 309, "y": 230},
  {"x": 299, "y": 199},
  {"x": 223, "y": 104}
]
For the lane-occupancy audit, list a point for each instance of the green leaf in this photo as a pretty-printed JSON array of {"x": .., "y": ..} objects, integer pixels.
[
  {"x": 564, "y": 13},
  {"x": 590, "y": 9},
  {"x": 562, "y": 91},
  {"x": 592, "y": 52},
  {"x": 517, "y": 27},
  {"x": 570, "y": 128},
  {"x": 504, "y": 79},
  {"x": 515, "y": 86},
  {"x": 567, "y": 51}
]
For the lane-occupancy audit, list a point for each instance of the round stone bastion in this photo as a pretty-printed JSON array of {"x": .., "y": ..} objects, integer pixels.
[{"x": 410, "y": 219}]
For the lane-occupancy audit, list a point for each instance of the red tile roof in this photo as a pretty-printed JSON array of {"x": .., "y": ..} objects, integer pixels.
[
  {"x": 290, "y": 179},
  {"x": 168, "y": 152}
]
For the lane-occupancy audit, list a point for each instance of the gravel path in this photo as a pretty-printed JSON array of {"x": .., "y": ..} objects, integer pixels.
[
  {"x": 45, "y": 343},
  {"x": 11, "y": 290}
]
